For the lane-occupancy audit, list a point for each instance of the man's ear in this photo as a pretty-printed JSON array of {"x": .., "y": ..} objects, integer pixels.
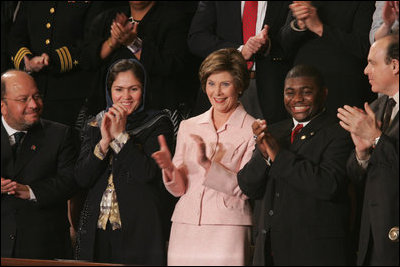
[
  {"x": 3, "y": 107},
  {"x": 395, "y": 66}
]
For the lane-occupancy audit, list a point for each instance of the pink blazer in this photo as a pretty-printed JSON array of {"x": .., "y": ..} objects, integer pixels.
[{"x": 208, "y": 198}]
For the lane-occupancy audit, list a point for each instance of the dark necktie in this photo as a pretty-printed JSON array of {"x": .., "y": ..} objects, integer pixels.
[
  {"x": 295, "y": 131},
  {"x": 18, "y": 140},
  {"x": 388, "y": 114},
  {"x": 249, "y": 22}
]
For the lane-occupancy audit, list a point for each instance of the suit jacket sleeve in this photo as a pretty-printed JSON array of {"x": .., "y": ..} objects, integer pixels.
[
  {"x": 64, "y": 57},
  {"x": 203, "y": 39},
  {"x": 355, "y": 40},
  {"x": 177, "y": 186},
  {"x": 385, "y": 157},
  {"x": 252, "y": 178},
  {"x": 89, "y": 167},
  {"x": 62, "y": 185},
  {"x": 18, "y": 42}
]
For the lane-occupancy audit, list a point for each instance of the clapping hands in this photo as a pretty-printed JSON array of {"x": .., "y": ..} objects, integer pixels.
[{"x": 113, "y": 124}]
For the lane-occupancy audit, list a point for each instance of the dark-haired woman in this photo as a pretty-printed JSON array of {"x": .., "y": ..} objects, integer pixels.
[{"x": 124, "y": 219}]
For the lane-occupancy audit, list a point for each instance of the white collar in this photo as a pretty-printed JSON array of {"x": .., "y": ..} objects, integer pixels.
[
  {"x": 10, "y": 131},
  {"x": 295, "y": 122}
]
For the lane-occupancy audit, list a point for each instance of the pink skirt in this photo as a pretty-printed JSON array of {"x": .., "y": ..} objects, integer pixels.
[{"x": 203, "y": 245}]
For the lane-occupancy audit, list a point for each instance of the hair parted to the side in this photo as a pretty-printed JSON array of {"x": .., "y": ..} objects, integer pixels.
[
  {"x": 122, "y": 66},
  {"x": 226, "y": 59}
]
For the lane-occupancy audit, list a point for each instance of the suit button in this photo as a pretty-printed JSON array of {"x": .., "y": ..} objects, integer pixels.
[
  {"x": 47, "y": 41},
  {"x": 52, "y": 10},
  {"x": 277, "y": 194},
  {"x": 270, "y": 212},
  {"x": 48, "y": 25},
  {"x": 12, "y": 237},
  {"x": 264, "y": 231}
]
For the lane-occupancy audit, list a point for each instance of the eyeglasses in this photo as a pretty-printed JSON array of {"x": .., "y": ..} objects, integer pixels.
[{"x": 25, "y": 100}]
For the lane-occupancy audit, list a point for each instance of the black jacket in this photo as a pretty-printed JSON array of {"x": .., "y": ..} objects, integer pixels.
[
  {"x": 39, "y": 229},
  {"x": 303, "y": 203}
]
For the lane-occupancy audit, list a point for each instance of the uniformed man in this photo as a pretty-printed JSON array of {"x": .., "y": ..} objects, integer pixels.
[{"x": 46, "y": 41}]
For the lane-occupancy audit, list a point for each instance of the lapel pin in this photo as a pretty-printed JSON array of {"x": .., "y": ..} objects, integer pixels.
[
  {"x": 33, "y": 147},
  {"x": 303, "y": 137}
]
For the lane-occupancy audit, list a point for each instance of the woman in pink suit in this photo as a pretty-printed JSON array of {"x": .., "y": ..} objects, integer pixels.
[{"x": 212, "y": 220}]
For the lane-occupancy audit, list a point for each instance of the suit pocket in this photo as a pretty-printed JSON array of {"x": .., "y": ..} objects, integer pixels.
[{"x": 226, "y": 202}]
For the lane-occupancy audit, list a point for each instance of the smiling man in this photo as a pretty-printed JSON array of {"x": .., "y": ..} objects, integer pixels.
[
  {"x": 298, "y": 174},
  {"x": 37, "y": 161},
  {"x": 374, "y": 163}
]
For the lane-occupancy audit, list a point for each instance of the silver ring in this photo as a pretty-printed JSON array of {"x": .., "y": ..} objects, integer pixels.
[{"x": 255, "y": 137}]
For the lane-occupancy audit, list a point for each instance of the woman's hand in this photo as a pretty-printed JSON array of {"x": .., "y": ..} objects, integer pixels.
[
  {"x": 124, "y": 35},
  {"x": 201, "y": 152},
  {"x": 117, "y": 115},
  {"x": 105, "y": 134},
  {"x": 163, "y": 156}
]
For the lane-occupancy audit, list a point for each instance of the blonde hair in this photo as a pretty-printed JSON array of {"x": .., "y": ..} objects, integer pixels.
[{"x": 226, "y": 59}]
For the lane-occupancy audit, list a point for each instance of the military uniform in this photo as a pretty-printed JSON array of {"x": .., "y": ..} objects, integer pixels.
[{"x": 57, "y": 29}]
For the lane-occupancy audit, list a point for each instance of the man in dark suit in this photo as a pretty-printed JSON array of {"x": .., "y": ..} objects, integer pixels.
[
  {"x": 300, "y": 179},
  {"x": 219, "y": 24},
  {"x": 374, "y": 163},
  {"x": 37, "y": 160},
  {"x": 333, "y": 37}
]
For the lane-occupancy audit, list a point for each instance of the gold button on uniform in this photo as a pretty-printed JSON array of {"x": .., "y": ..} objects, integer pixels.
[
  {"x": 47, "y": 41},
  {"x": 52, "y": 10},
  {"x": 48, "y": 25}
]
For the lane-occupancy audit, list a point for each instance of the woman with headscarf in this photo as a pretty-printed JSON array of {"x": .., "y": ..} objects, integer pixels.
[{"x": 124, "y": 219}]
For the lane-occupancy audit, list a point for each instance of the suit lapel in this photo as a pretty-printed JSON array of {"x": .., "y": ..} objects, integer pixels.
[
  {"x": 272, "y": 12},
  {"x": 29, "y": 147},
  {"x": 309, "y": 131},
  {"x": 235, "y": 8},
  {"x": 7, "y": 161}
]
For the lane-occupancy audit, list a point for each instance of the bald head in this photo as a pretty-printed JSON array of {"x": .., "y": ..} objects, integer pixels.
[
  {"x": 383, "y": 65},
  {"x": 21, "y": 103},
  {"x": 11, "y": 76}
]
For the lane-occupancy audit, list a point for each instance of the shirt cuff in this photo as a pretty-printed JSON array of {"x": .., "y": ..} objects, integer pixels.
[
  {"x": 362, "y": 162},
  {"x": 268, "y": 161},
  {"x": 97, "y": 152},
  {"x": 118, "y": 143},
  {"x": 32, "y": 196}
]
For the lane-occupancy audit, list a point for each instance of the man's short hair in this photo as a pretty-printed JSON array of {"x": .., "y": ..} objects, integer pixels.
[
  {"x": 3, "y": 87},
  {"x": 307, "y": 71},
  {"x": 392, "y": 48}
]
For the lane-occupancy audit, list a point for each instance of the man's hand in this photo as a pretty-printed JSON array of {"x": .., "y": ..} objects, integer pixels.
[
  {"x": 7, "y": 186},
  {"x": 362, "y": 125},
  {"x": 10, "y": 187},
  {"x": 37, "y": 63},
  {"x": 256, "y": 43},
  {"x": 306, "y": 13},
  {"x": 266, "y": 143},
  {"x": 390, "y": 13}
]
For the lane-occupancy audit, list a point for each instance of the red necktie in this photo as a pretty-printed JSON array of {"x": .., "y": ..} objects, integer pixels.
[
  {"x": 295, "y": 131},
  {"x": 249, "y": 22}
]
